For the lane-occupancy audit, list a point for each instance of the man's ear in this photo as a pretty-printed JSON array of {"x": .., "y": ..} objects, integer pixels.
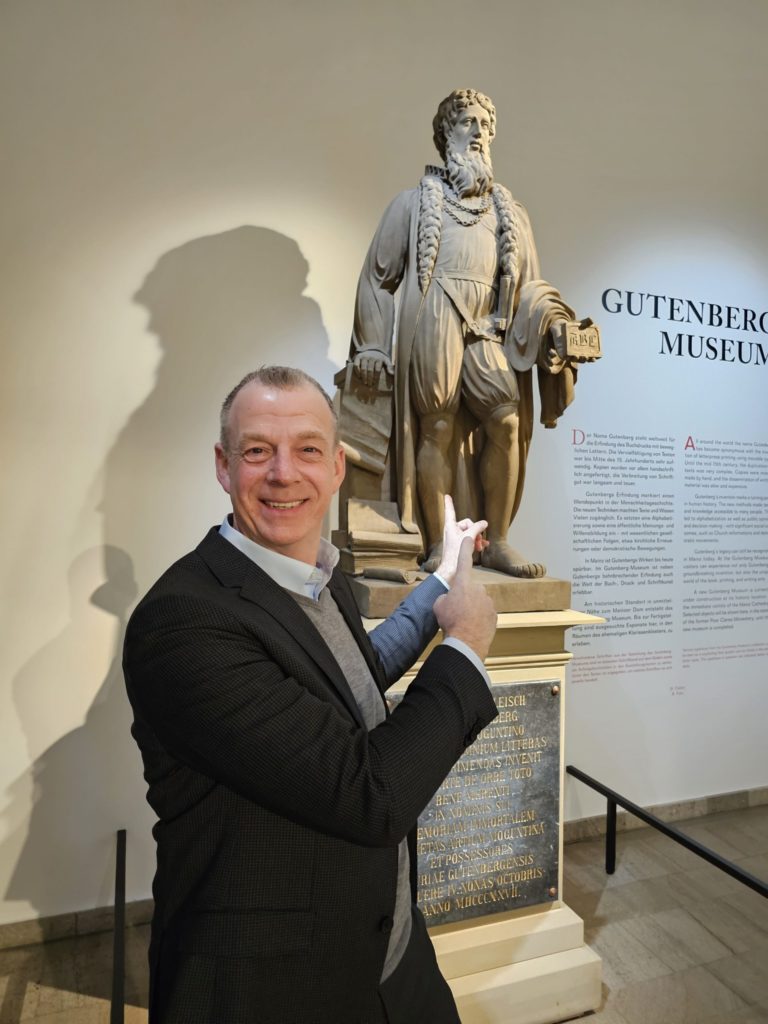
[
  {"x": 339, "y": 467},
  {"x": 222, "y": 466}
]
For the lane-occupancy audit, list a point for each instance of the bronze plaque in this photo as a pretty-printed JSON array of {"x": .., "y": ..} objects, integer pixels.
[{"x": 489, "y": 839}]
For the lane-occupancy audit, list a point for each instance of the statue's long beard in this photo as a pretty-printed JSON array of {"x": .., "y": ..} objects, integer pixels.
[{"x": 470, "y": 174}]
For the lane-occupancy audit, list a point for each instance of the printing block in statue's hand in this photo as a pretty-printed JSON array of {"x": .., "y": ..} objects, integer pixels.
[{"x": 572, "y": 341}]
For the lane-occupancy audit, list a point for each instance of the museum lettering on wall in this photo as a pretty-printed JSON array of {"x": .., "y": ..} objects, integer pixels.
[{"x": 694, "y": 313}]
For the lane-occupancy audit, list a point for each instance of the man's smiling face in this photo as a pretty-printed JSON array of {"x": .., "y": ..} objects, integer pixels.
[{"x": 281, "y": 467}]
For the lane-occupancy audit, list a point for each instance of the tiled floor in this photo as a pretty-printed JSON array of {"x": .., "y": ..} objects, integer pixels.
[{"x": 681, "y": 942}]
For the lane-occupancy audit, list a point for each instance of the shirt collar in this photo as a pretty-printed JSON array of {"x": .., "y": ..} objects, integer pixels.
[{"x": 289, "y": 573}]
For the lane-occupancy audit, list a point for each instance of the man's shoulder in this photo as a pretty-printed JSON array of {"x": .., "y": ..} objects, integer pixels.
[
  {"x": 210, "y": 568},
  {"x": 188, "y": 570}
]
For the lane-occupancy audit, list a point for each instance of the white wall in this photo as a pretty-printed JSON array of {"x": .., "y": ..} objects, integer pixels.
[{"x": 188, "y": 191}]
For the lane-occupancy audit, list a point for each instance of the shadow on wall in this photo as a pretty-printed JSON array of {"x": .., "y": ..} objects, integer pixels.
[
  {"x": 79, "y": 777},
  {"x": 220, "y": 306},
  {"x": 83, "y": 782}
]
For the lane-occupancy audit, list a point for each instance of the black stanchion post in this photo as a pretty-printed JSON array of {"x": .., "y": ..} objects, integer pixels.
[
  {"x": 117, "y": 1009},
  {"x": 610, "y": 837}
]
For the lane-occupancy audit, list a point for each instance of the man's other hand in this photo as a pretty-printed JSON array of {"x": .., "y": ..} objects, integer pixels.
[
  {"x": 453, "y": 535},
  {"x": 466, "y": 612}
]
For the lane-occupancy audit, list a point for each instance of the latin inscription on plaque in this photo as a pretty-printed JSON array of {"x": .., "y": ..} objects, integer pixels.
[{"x": 489, "y": 839}]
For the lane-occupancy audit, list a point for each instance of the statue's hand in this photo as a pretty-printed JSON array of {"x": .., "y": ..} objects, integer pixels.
[
  {"x": 368, "y": 364},
  {"x": 453, "y": 535},
  {"x": 557, "y": 354},
  {"x": 488, "y": 327}
]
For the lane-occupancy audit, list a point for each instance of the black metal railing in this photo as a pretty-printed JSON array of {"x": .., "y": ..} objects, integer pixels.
[
  {"x": 615, "y": 799},
  {"x": 117, "y": 1007}
]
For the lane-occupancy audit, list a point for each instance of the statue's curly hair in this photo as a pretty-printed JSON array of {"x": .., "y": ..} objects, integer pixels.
[{"x": 448, "y": 114}]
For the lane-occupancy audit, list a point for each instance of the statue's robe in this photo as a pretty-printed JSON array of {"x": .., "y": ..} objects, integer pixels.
[{"x": 404, "y": 258}]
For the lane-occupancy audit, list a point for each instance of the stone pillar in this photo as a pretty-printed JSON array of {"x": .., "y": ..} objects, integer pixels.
[{"x": 492, "y": 838}]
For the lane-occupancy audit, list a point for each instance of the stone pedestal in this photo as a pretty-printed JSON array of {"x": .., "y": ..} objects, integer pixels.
[
  {"x": 527, "y": 965},
  {"x": 377, "y": 599}
]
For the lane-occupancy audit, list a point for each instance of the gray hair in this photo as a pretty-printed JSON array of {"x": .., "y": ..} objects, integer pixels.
[
  {"x": 283, "y": 378},
  {"x": 448, "y": 112}
]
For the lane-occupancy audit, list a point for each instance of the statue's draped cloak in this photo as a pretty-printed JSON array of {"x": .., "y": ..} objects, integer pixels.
[{"x": 532, "y": 305}]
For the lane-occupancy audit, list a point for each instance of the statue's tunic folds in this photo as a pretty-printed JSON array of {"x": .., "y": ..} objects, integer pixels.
[{"x": 449, "y": 277}]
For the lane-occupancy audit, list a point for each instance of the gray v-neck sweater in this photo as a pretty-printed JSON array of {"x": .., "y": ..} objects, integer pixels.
[{"x": 332, "y": 627}]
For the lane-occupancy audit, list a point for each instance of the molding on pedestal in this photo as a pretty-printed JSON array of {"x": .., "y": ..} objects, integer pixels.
[
  {"x": 527, "y": 966},
  {"x": 527, "y": 641},
  {"x": 546, "y": 990},
  {"x": 482, "y": 944}
]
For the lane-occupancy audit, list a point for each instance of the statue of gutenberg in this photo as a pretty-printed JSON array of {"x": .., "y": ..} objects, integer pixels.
[{"x": 474, "y": 321}]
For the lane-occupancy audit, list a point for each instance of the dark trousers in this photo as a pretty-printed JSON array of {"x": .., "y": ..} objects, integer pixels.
[{"x": 416, "y": 992}]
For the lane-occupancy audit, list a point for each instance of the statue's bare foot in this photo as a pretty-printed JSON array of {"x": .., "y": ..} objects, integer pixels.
[
  {"x": 500, "y": 556},
  {"x": 432, "y": 560}
]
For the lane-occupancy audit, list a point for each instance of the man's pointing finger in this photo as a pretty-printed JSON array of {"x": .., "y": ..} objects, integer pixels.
[
  {"x": 464, "y": 564},
  {"x": 450, "y": 512}
]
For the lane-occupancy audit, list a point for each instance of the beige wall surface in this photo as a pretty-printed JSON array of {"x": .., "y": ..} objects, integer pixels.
[{"x": 188, "y": 190}]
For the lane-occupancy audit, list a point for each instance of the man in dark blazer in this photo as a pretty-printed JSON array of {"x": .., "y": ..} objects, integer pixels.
[{"x": 283, "y": 787}]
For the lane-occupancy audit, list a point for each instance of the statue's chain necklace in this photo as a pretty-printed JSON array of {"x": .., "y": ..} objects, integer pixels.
[{"x": 458, "y": 211}]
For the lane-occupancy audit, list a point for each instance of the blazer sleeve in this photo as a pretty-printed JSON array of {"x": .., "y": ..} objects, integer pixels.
[{"x": 221, "y": 699}]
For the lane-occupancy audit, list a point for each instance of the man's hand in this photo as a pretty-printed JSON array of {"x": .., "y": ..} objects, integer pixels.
[
  {"x": 453, "y": 534},
  {"x": 368, "y": 364},
  {"x": 466, "y": 612}
]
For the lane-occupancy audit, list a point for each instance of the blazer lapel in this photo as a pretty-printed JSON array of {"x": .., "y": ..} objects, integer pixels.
[{"x": 235, "y": 570}]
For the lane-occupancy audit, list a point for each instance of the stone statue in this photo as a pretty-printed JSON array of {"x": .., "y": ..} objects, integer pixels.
[{"x": 474, "y": 320}]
